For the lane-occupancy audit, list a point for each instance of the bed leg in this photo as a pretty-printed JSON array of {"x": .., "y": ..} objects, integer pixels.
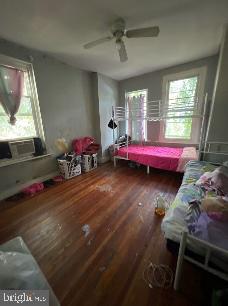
[
  {"x": 114, "y": 159},
  {"x": 148, "y": 169},
  {"x": 180, "y": 260}
]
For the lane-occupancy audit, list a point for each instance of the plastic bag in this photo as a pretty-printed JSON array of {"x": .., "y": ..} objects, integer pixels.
[{"x": 20, "y": 271}]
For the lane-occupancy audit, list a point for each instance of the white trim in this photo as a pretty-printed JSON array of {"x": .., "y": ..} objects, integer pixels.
[
  {"x": 103, "y": 159},
  {"x": 36, "y": 104},
  {"x": 28, "y": 67},
  {"x": 11, "y": 191},
  {"x": 13, "y": 62},
  {"x": 201, "y": 74}
]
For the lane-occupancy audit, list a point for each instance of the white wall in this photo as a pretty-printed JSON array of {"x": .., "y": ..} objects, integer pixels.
[
  {"x": 66, "y": 103},
  {"x": 218, "y": 124},
  {"x": 108, "y": 94}
]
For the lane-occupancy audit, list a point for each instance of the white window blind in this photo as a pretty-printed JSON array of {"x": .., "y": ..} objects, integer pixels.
[{"x": 182, "y": 97}]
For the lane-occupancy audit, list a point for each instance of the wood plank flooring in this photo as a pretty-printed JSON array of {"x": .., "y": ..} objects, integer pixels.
[{"x": 106, "y": 266}]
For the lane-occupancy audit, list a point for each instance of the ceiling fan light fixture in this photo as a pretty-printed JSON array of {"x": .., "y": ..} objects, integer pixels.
[{"x": 118, "y": 31}]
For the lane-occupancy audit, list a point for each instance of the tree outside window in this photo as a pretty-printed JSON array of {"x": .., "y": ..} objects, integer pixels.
[{"x": 181, "y": 96}]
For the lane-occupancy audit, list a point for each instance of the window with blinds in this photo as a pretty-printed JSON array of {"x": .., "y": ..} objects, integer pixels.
[{"x": 182, "y": 97}]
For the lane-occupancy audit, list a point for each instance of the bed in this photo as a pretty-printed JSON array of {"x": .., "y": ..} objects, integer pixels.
[
  {"x": 209, "y": 230},
  {"x": 166, "y": 158}
]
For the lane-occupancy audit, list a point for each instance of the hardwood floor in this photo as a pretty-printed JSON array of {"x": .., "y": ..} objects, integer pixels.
[{"x": 106, "y": 267}]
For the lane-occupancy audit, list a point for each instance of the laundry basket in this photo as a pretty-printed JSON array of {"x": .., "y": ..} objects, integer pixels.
[
  {"x": 69, "y": 169},
  {"x": 89, "y": 162}
]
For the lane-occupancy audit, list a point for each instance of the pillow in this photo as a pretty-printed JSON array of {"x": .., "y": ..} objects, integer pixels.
[
  {"x": 213, "y": 231},
  {"x": 214, "y": 204},
  {"x": 219, "y": 179},
  {"x": 216, "y": 181},
  {"x": 204, "y": 178},
  {"x": 216, "y": 208}
]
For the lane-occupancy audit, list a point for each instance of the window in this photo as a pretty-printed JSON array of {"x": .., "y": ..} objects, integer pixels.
[
  {"x": 28, "y": 119},
  {"x": 182, "y": 92},
  {"x": 136, "y": 105}
]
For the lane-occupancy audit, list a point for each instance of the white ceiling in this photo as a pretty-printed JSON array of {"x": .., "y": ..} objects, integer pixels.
[{"x": 189, "y": 30}]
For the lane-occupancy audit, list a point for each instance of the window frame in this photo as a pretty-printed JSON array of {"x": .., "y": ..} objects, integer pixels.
[
  {"x": 200, "y": 73},
  {"x": 126, "y": 106},
  {"x": 28, "y": 67}
]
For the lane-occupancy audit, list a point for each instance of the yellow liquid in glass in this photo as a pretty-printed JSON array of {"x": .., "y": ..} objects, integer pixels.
[{"x": 160, "y": 212}]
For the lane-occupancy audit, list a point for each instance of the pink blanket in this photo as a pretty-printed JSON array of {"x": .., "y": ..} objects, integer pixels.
[
  {"x": 165, "y": 158},
  {"x": 81, "y": 144},
  {"x": 189, "y": 153}
]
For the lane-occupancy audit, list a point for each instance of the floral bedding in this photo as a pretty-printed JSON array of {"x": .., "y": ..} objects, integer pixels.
[
  {"x": 174, "y": 221},
  {"x": 208, "y": 229}
]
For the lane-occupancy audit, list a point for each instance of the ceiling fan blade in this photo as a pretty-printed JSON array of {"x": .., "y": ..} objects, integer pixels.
[
  {"x": 122, "y": 51},
  {"x": 97, "y": 42},
  {"x": 144, "y": 32}
]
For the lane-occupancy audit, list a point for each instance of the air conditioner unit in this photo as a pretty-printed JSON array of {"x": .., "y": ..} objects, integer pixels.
[{"x": 22, "y": 148}]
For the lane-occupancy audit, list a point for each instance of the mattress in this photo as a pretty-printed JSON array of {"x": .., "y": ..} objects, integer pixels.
[
  {"x": 166, "y": 158},
  {"x": 173, "y": 224}
]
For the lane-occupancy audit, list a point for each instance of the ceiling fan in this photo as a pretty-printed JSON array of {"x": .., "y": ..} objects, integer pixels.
[{"x": 119, "y": 31}]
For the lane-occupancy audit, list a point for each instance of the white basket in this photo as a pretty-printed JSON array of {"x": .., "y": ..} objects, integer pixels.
[
  {"x": 69, "y": 169},
  {"x": 89, "y": 162}
]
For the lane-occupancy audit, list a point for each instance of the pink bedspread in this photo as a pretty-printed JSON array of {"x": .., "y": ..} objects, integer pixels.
[
  {"x": 189, "y": 153},
  {"x": 165, "y": 158}
]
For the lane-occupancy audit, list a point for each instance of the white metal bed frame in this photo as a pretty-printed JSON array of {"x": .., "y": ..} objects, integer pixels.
[
  {"x": 157, "y": 110},
  {"x": 214, "y": 148},
  {"x": 207, "y": 148},
  {"x": 208, "y": 247}
]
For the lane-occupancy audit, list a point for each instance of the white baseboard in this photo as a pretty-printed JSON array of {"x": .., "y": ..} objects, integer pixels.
[
  {"x": 17, "y": 188},
  {"x": 103, "y": 159}
]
